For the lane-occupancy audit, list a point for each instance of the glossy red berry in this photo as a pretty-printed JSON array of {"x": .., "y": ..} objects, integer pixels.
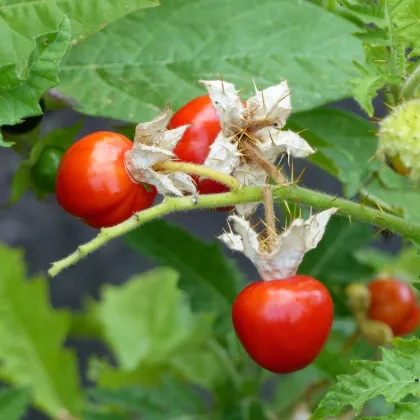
[
  {"x": 94, "y": 185},
  {"x": 194, "y": 146},
  {"x": 283, "y": 324},
  {"x": 409, "y": 324},
  {"x": 394, "y": 303}
]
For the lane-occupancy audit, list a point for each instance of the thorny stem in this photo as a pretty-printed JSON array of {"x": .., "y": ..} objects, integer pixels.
[
  {"x": 192, "y": 169},
  {"x": 292, "y": 193},
  {"x": 270, "y": 219},
  {"x": 252, "y": 153}
]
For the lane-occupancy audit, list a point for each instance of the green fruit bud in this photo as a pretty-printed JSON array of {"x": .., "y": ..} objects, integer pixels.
[{"x": 399, "y": 139}]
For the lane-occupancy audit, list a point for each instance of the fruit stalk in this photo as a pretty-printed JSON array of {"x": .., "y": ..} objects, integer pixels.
[
  {"x": 270, "y": 219},
  {"x": 292, "y": 193},
  {"x": 192, "y": 169}
]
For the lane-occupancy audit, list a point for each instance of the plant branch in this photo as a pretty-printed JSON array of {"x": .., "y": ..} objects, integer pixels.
[
  {"x": 292, "y": 193},
  {"x": 192, "y": 169},
  {"x": 412, "y": 84}
]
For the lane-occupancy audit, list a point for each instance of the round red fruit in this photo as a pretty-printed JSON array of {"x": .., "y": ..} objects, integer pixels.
[
  {"x": 194, "y": 147},
  {"x": 283, "y": 324},
  {"x": 391, "y": 301},
  {"x": 94, "y": 185},
  {"x": 409, "y": 324}
]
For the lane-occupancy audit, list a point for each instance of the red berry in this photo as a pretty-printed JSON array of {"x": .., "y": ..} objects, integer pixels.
[
  {"x": 283, "y": 324},
  {"x": 94, "y": 185},
  {"x": 391, "y": 301},
  {"x": 409, "y": 324},
  {"x": 194, "y": 147}
]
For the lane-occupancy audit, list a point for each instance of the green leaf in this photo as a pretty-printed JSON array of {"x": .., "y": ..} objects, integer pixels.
[
  {"x": 405, "y": 14},
  {"x": 344, "y": 139},
  {"x": 86, "y": 17},
  {"x": 141, "y": 68},
  {"x": 86, "y": 323},
  {"x": 59, "y": 139},
  {"x": 292, "y": 387},
  {"x": 21, "y": 182},
  {"x": 395, "y": 377},
  {"x": 14, "y": 403},
  {"x": 21, "y": 99},
  {"x": 403, "y": 411},
  {"x": 333, "y": 261},
  {"x": 372, "y": 76},
  {"x": 365, "y": 88},
  {"x": 406, "y": 264},
  {"x": 150, "y": 327},
  {"x": 4, "y": 143},
  {"x": 367, "y": 12},
  {"x": 106, "y": 416},
  {"x": 210, "y": 279},
  {"x": 375, "y": 258},
  {"x": 31, "y": 339},
  {"x": 323, "y": 362},
  {"x": 169, "y": 399}
]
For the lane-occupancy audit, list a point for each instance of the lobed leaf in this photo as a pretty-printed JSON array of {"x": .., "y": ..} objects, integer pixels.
[{"x": 395, "y": 377}]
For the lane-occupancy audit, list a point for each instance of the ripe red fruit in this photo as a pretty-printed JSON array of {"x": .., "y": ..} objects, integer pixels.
[
  {"x": 409, "y": 324},
  {"x": 94, "y": 185},
  {"x": 283, "y": 324},
  {"x": 394, "y": 303},
  {"x": 194, "y": 147}
]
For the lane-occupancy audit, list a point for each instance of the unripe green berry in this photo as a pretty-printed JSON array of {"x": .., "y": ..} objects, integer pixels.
[{"x": 399, "y": 139}]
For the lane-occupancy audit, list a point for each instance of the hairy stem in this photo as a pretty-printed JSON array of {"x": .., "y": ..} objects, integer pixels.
[
  {"x": 292, "y": 193},
  {"x": 270, "y": 219},
  {"x": 192, "y": 169}
]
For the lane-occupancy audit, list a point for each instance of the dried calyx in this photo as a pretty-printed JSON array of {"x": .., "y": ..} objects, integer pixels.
[
  {"x": 251, "y": 138},
  {"x": 249, "y": 143},
  {"x": 153, "y": 144},
  {"x": 286, "y": 251}
]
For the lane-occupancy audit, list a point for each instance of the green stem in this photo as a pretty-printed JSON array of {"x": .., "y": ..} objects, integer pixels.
[
  {"x": 292, "y": 193},
  {"x": 412, "y": 84},
  {"x": 192, "y": 169}
]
